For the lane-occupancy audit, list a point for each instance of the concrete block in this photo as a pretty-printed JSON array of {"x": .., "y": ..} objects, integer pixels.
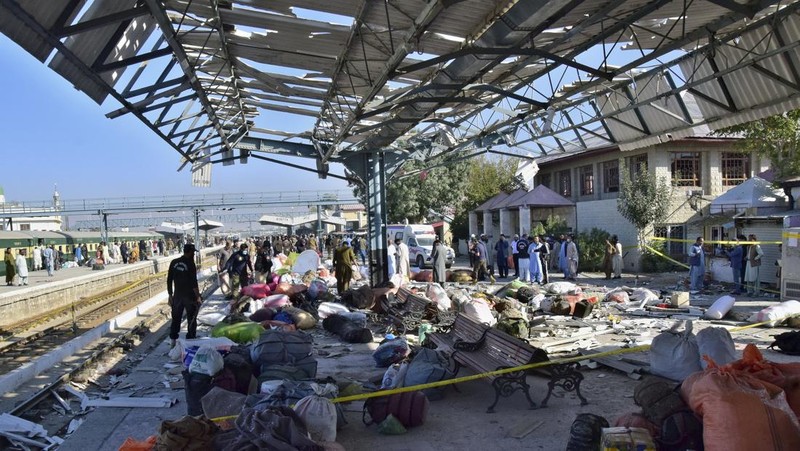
[{"x": 680, "y": 299}]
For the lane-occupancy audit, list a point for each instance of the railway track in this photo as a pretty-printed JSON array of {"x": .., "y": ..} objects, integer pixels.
[
  {"x": 22, "y": 344},
  {"x": 83, "y": 317}
]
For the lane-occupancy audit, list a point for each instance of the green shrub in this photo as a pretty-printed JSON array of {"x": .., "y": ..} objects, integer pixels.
[
  {"x": 592, "y": 245},
  {"x": 651, "y": 262}
]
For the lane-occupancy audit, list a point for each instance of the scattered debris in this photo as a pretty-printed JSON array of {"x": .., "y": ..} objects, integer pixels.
[
  {"x": 524, "y": 428},
  {"x": 125, "y": 401}
]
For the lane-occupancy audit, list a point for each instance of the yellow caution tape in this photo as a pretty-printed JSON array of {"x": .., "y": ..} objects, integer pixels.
[
  {"x": 666, "y": 257},
  {"x": 767, "y": 290},
  {"x": 732, "y": 243},
  {"x": 458, "y": 380}
]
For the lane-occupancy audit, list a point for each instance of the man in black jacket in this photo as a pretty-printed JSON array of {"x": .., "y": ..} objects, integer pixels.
[{"x": 185, "y": 295}]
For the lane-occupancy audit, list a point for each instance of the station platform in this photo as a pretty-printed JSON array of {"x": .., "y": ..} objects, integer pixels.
[{"x": 46, "y": 293}]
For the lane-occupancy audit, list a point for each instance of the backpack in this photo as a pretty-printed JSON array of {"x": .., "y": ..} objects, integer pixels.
[
  {"x": 787, "y": 342},
  {"x": 658, "y": 399},
  {"x": 681, "y": 430},
  {"x": 586, "y": 432},
  {"x": 516, "y": 327},
  {"x": 242, "y": 370},
  {"x": 411, "y": 408},
  {"x": 196, "y": 386},
  {"x": 428, "y": 366}
]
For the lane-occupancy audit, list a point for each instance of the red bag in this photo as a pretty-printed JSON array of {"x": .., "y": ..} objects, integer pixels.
[{"x": 411, "y": 408}]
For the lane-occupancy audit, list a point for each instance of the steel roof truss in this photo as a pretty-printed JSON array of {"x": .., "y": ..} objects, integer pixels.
[
  {"x": 169, "y": 33},
  {"x": 121, "y": 16}
]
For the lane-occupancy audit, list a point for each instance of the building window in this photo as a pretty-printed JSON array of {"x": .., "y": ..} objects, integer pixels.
[
  {"x": 587, "y": 180},
  {"x": 735, "y": 168},
  {"x": 565, "y": 183},
  {"x": 675, "y": 232},
  {"x": 636, "y": 164},
  {"x": 686, "y": 169},
  {"x": 611, "y": 176},
  {"x": 546, "y": 180},
  {"x": 24, "y": 226}
]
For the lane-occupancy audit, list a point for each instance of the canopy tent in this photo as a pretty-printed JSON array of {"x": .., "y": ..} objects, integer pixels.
[
  {"x": 752, "y": 193},
  {"x": 204, "y": 224},
  {"x": 173, "y": 228}
]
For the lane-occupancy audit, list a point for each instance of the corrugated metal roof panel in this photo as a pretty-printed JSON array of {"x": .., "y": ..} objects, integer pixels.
[
  {"x": 87, "y": 46},
  {"x": 45, "y": 13}
]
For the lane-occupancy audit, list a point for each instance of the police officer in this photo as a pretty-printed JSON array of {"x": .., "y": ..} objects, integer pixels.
[{"x": 185, "y": 295}]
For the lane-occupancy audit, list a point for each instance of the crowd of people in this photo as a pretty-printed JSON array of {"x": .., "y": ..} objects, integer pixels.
[
  {"x": 125, "y": 252},
  {"x": 44, "y": 257},
  {"x": 52, "y": 258},
  {"x": 531, "y": 257},
  {"x": 251, "y": 260}
]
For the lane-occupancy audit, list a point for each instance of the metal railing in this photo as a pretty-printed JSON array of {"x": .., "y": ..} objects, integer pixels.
[{"x": 177, "y": 202}]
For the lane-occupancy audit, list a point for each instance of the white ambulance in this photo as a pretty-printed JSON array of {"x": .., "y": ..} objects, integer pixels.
[{"x": 419, "y": 239}]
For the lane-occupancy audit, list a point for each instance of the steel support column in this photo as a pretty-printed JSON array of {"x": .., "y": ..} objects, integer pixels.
[
  {"x": 197, "y": 258},
  {"x": 104, "y": 235},
  {"x": 375, "y": 181},
  {"x": 319, "y": 222}
]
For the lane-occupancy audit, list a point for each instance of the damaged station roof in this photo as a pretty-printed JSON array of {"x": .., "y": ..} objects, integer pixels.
[{"x": 222, "y": 81}]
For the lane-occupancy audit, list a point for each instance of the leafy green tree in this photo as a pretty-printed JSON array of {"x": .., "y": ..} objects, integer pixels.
[
  {"x": 593, "y": 249},
  {"x": 486, "y": 177},
  {"x": 643, "y": 200},
  {"x": 555, "y": 225},
  {"x": 412, "y": 196},
  {"x": 775, "y": 137}
]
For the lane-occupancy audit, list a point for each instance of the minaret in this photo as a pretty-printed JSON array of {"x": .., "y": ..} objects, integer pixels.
[
  {"x": 57, "y": 206},
  {"x": 56, "y": 198}
]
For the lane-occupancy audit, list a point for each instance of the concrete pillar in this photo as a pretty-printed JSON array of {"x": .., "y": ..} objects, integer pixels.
[
  {"x": 524, "y": 220},
  {"x": 487, "y": 223},
  {"x": 505, "y": 222},
  {"x": 473, "y": 223}
]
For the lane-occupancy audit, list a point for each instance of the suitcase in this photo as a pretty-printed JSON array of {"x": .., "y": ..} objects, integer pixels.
[{"x": 410, "y": 408}]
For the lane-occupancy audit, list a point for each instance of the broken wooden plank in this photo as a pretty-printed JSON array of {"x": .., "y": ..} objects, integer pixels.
[
  {"x": 631, "y": 370},
  {"x": 562, "y": 341},
  {"x": 524, "y": 428},
  {"x": 124, "y": 401}
]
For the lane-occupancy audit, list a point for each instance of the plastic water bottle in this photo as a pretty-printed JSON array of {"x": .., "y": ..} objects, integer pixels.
[
  {"x": 389, "y": 336},
  {"x": 389, "y": 376},
  {"x": 424, "y": 329}
]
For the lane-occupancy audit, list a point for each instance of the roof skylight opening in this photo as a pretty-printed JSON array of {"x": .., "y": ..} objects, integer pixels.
[
  {"x": 449, "y": 37},
  {"x": 335, "y": 19}
]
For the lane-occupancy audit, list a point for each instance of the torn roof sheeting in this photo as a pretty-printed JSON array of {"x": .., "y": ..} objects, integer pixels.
[{"x": 350, "y": 76}]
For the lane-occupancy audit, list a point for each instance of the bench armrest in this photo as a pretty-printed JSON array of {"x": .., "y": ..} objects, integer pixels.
[{"x": 469, "y": 346}]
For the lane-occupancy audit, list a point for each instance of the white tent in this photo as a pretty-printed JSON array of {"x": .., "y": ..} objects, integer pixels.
[{"x": 753, "y": 193}]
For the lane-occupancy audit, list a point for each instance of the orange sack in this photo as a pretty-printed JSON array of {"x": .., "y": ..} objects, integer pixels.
[
  {"x": 740, "y": 411},
  {"x": 784, "y": 375}
]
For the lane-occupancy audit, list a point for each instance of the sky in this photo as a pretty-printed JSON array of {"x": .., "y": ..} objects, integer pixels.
[{"x": 55, "y": 135}]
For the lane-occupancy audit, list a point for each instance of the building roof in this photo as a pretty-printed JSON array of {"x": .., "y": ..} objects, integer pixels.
[
  {"x": 492, "y": 202},
  {"x": 541, "y": 196}
]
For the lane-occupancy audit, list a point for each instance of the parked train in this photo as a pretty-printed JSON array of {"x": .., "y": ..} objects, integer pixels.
[{"x": 63, "y": 241}]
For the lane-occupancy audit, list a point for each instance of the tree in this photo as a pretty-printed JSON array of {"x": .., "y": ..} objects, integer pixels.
[
  {"x": 486, "y": 177},
  {"x": 775, "y": 137},
  {"x": 458, "y": 187},
  {"x": 644, "y": 200},
  {"x": 413, "y": 196}
]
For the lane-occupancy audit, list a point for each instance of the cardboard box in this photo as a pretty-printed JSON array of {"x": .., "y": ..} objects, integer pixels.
[{"x": 680, "y": 299}]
